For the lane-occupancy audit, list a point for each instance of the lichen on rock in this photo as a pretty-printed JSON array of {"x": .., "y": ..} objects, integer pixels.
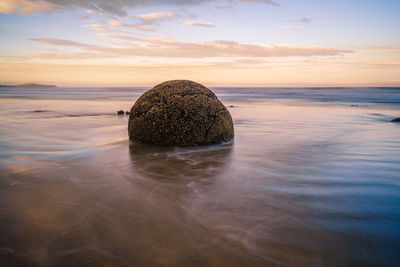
[{"x": 180, "y": 113}]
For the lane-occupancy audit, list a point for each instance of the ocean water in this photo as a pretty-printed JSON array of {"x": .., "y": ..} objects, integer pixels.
[{"x": 312, "y": 178}]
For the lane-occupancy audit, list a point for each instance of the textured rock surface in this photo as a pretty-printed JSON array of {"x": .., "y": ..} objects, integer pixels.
[{"x": 182, "y": 113}]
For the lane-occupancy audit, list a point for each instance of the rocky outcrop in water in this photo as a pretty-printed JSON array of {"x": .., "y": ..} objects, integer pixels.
[
  {"x": 181, "y": 113},
  {"x": 396, "y": 119}
]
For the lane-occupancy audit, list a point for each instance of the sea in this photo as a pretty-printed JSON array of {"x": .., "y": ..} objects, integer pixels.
[{"x": 312, "y": 178}]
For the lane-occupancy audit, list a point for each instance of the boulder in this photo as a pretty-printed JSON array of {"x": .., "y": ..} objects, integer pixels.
[
  {"x": 120, "y": 112},
  {"x": 396, "y": 119},
  {"x": 180, "y": 113}
]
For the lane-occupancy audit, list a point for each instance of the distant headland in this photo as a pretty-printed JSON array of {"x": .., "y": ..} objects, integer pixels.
[{"x": 31, "y": 85}]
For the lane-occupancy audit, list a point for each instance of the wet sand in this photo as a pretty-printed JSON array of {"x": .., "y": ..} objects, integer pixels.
[{"x": 304, "y": 183}]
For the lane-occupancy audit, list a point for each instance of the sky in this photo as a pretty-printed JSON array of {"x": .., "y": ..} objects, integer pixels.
[{"x": 218, "y": 43}]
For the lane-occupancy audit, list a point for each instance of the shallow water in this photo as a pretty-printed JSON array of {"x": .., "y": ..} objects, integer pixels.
[{"x": 312, "y": 178}]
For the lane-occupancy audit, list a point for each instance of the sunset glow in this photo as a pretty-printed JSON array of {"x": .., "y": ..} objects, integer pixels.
[{"x": 218, "y": 43}]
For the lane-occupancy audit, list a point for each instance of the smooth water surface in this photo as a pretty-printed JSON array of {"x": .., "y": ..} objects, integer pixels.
[{"x": 311, "y": 179}]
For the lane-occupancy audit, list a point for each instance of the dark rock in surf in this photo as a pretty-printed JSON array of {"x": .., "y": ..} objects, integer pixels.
[
  {"x": 396, "y": 119},
  {"x": 181, "y": 113},
  {"x": 120, "y": 112},
  {"x": 127, "y": 112}
]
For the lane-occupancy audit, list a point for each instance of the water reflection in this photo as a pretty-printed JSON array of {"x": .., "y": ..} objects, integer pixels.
[{"x": 180, "y": 165}]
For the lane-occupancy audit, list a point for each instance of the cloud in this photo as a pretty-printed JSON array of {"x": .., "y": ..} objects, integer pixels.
[
  {"x": 96, "y": 27},
  {"x": 25, "y": 7},
  {"x": 301, "y": 20},
  {"x": 120, "y": 36},
  {"x": 109, "y": 7},
  {"x": 164, "y": 48},
  {"x": 155, "y": 16},
  {"x": 115, "y": 23},
  {"x": 198, "y": 23},
  {"x": 291, "y": 27},
  {"x": 60, "y": 42},
  {"x": 144, "y": 22},
  {"x": 140, "y": 26},
  {"x": 268, "y": 2}
]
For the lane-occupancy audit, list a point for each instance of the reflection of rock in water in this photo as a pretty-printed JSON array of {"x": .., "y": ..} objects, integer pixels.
[{"x": 172, "y": 164}]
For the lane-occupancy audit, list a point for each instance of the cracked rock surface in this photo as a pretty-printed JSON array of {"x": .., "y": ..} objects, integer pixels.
[{"x": 180, "y": 113}]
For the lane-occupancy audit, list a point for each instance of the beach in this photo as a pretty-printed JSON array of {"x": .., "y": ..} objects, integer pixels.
[{"x": 312, "y": 178}]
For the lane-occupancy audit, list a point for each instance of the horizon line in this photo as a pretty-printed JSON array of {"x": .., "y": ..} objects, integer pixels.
[{"x": 219, "y": 85}]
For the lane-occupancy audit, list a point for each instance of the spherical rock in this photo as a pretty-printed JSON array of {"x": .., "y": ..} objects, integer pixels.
[{"x": 180, "y": 113}]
